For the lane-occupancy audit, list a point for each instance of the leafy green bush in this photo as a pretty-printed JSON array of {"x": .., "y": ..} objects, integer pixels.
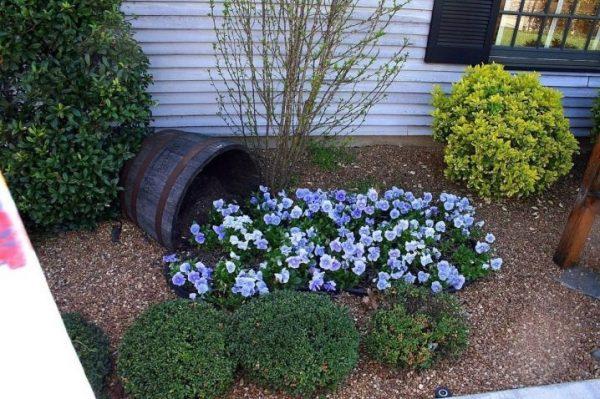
[
  {"x": 176, "y": 350},
  {"x": 596, "y": 119},
  {"x": 417, "y": 329},
  {"x": 506, "y": 135},
  {"x": 73, "y": 107},
  {"x": 296, "y": 342},
  {"x": 91, "y": 345}
]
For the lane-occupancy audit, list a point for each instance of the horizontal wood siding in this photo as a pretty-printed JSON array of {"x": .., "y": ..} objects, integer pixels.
[{"x": 177, "y": 36}]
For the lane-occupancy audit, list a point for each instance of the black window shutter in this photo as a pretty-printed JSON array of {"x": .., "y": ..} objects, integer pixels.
[{"x": 461, "y": 31}]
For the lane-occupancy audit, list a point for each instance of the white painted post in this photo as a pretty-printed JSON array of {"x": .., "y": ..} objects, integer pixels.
[{"x": 37, "y": 359}]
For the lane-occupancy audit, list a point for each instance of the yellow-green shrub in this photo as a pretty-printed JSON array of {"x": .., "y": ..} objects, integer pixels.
[{"x": 506, "y": 135}]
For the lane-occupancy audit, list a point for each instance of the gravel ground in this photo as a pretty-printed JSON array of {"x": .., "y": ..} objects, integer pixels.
[{"x": 526, "y": 328}]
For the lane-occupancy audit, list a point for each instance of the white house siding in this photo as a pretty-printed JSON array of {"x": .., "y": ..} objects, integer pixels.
[{"x": 177, "y": 36}]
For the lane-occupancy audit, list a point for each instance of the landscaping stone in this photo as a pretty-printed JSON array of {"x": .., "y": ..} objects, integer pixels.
[{"x": 582, "y": 279}]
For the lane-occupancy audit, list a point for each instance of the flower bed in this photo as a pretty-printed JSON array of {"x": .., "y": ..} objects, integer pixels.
[{"x": 332, "y": 241}]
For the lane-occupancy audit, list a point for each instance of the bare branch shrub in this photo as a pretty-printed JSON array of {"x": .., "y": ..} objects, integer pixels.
[{"x": 287, "y": 70}]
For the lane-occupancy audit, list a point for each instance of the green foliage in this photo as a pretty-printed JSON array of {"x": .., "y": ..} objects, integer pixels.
[
  {"x": 329, "y": 155},
  {"x": 176, "y": 350},
  {"x": 91, "y": 345},
  {"x": 295, "y": 342},
  {"x": 73, "y": 107},
  {"x": 596, "y": 119},
  {"x": 417, "y": 329},
  {"x": 506, "y": 135}
]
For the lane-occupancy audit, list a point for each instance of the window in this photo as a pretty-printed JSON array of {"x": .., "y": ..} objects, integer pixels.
[{"x": 548, "y": 34}]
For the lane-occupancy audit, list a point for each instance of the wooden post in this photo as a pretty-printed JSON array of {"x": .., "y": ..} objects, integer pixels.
[{"x": 581, "y": 219}]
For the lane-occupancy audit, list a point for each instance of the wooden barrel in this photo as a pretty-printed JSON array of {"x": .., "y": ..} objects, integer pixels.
[{"x": 172, "y": 169}]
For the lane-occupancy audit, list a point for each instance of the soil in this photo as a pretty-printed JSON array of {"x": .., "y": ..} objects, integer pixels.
[{"x": 526, "y": 328}]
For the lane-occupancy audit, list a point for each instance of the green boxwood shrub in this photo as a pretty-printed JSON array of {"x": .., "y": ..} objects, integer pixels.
[
  {"x": 73, "y": 107},
  {"x": 505, "y": 135},
  {"x": 92, "y": 347},
  {"x": 176, "y": 350},
  {"x": 417, "y": 329},
  {"x": 295, "y": 342},
  {"x": 596, "y": 119}
]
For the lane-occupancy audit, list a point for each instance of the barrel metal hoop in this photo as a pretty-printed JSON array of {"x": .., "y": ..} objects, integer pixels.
[
  {"x": 164, "y": 195},
  {"x": 142, "y": 172}
]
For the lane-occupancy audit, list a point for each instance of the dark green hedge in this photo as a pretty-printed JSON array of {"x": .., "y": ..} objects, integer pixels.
[
  {"x": 299, "y": 343},
  {"x": 92, "y": 347},
  {"x": 417, "y": 329},
  {"x": 73, "y": 107},
  {"x": 176, "y": 350}
]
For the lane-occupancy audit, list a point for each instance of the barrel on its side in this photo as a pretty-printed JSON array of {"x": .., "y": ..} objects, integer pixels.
[{"x": 165, "y": 183}]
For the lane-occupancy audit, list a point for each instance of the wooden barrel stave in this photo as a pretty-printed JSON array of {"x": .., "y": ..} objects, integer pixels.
[{"x": 159, "y": 178}]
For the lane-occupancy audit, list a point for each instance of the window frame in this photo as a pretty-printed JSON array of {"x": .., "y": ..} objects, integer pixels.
[{"x": 543, "y": 58}]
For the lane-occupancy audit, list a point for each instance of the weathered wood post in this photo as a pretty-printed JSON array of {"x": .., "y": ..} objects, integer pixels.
[{"x": 581, "y": 218}]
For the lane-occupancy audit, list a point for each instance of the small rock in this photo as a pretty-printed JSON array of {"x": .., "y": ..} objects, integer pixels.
[{"x": 596, "y": 354}]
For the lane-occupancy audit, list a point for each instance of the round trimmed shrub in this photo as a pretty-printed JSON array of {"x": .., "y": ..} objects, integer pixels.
[
  {"x": 92, "y": 347},
  {"x": 295, "y": 342},
  {"x": 176, "y": 350},
  {"x": 73, "y": 107},
  {"x": 418, "y": 329},
  {"x": 506, "y": 135}
]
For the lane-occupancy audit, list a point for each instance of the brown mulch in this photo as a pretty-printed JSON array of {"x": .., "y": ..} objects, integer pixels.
[{"x": 526, "y": 328}]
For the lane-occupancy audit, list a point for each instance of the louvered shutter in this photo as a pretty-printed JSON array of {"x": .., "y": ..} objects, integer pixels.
[{"x": 461, "y": 31}]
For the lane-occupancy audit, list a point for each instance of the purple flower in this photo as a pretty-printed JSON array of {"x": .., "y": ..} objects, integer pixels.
[
  {"x": 200, "y": 238},
  {"x": 422, "y": 276},
  {"x": 282, "y": 277},
  {"x": 496, "y": 263},
  {"x": 195, "y": 228},
  {"x": 202, "y": 286},
  {"x": 316, "y": 281},
  {"x": 482, "y": 247},
  {"x": 194, "y": 277},
  {"x": 436, "y": 287},
  {"x": 374, "y": 253},
  {"x": 230, "y": 266},
  {"x": 302, "y": 193},
  {"x": 296, "y": 212},
  {"x": 178, "y": 279},
  {"x": 490, "y": 238},
  {"x": 335, "y": 245},
  {"x": 372, "y": 194},
  {"x": 170, "y": 258},
  {"x": 409, "y": 278},
  {"x": 220, "y": 230},
  {"x": 359, "y": 267},
  {"x": 383, "y": 205},
  {"x": 444, "y": 270},
  {"x": 218, "y": 204},
  {"x": 329, "y": 286},
  {"x": 390, "y": 235},
  {"x": 340, "y": 195},
  {"x": 383, "y": 281},
  {"x": 185, "y": 267}
]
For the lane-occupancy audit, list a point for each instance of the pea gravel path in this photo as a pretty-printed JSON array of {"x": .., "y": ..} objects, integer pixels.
[{"x": 526, "y": 328}]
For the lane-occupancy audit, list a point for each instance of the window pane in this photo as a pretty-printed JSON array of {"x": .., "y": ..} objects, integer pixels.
[
  {"x": 552, "y": 34},
  {"x": 505, "y": 30},
  {"x": 511, "y": 5},
  {"x": 595, "y": 42},
  {"x": 578, "y": 33},
  {"x": 587, "y": 7},
  {"x": 528, "y": 31},
  {"x": 534, "y": 5},
  {"x": 561, "y": 6}
]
